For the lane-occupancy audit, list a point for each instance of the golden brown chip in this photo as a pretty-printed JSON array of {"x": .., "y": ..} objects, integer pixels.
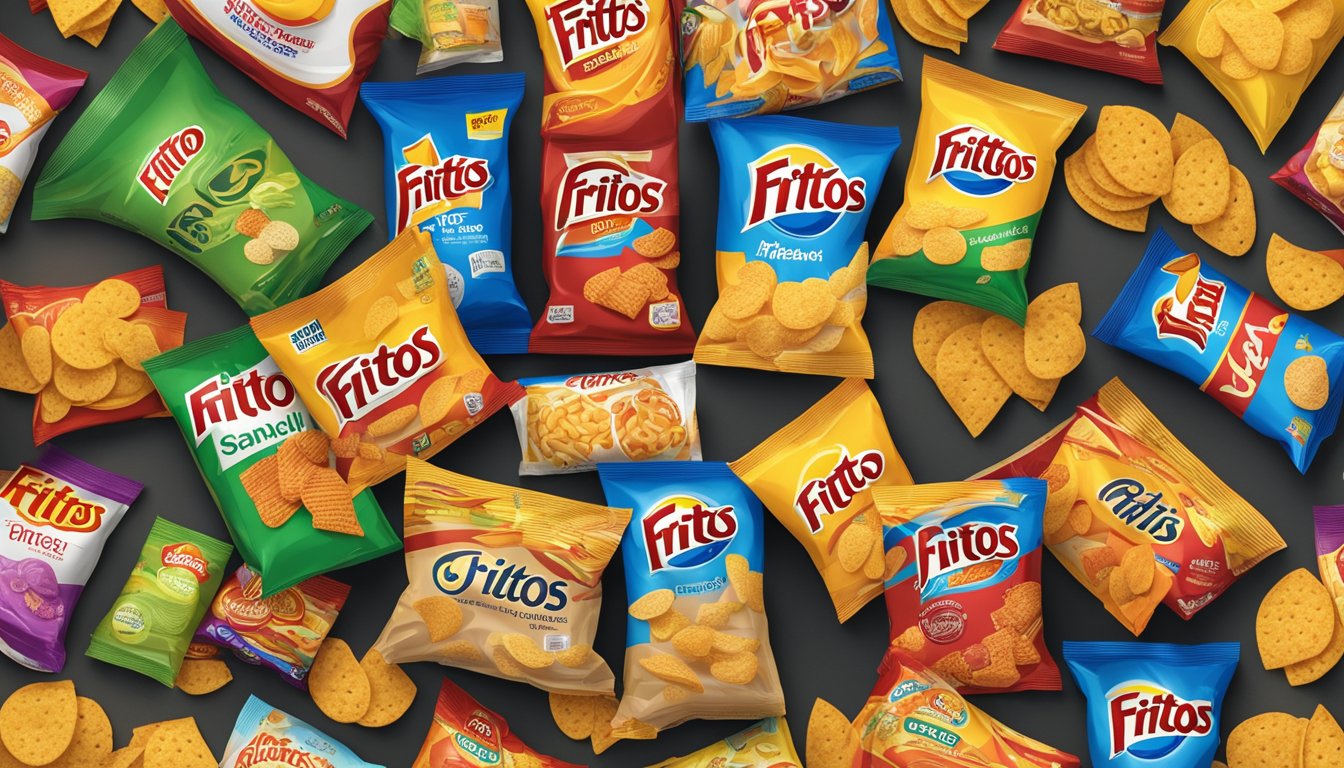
[
  {"x": 338, "y": 684},
  {"x": 391, "y": 691},
  {"x": 198, "y": 677}
]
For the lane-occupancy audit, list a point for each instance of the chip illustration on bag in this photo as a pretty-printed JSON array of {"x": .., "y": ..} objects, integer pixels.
[
  {"x": 794, "y": 199},
  {"x": 817, "y": 474},
  {"x": 697, "y": 640},
  {"x": 979, "y": 175}
]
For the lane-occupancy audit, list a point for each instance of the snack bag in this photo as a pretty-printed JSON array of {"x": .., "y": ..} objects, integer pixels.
[
  {"x": 1134, "y": 515},
  {"x": 465, "y": 540},
  {"x": 32, "y": 91},
  {"x": 312, "y": 54},
  {"x": 1190, "y": 318},
  {"x": 152, "y": 622},
  {"x": 281, "y": 632},
  {"x": 766, "y": 744},
  {"x": 242, "y": 214},
  {"x": 914, "y": 717},
  {"x": 744, "y": 58},
  {"x": 85, "y": 346},
  {"x": 465, "y": 734},
  {"x": 1260, "y": 57},
  {"x": 57, "y": 513},
  {"x": 264, "y": 735},
  {"x": 817, "y": 474},
  {"x": 794, "y": 199},
  {"x": 979, "y": 174},
  {"x": 963, "y": 569},
  {"x": 265, "y": 462},
  {"x": 697, "y": 642},
  {"x": 1330, "y": 551},
  {"x": 1120, "y": 38},
  {"x": 382, "y": 363},
  {"x": 1316, "y": 173},
  {"x": 446, "y": 143},
  {"x": 450, "y": 31},
  {"x": 1152, "y": 702},
  {"x": 570, "y": 423}
]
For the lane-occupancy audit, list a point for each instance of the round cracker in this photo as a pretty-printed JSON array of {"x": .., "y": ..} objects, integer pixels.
[
  {"x": 944, "y": 246},
  {"x": 1201, "y": 184},
  {"x": 1303, "y": 279},
  {"x": 92, "y": 743},
  {"x": 52, "y": 406},
  {"x": 755, "y": 284},
  {"x": 1306, "y": 381},
  {"x": 1135, "y": 147},
  {"x": 81, "y": 386},
  {"x": 799, "y": 306},
  {"x": 573, "y": 714},
  {"x": 114, "y": 298},
  {"x": 337, "y": 682},
  {"x": 37, "y": 721},
  {"x": 77, "y": 337},
  {"x": 391, "y": 691}
]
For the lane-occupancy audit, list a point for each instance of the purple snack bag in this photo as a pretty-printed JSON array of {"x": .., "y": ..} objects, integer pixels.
[
  {"x": 1330, "y": 551},
  {"x": 55, "y": 515}
]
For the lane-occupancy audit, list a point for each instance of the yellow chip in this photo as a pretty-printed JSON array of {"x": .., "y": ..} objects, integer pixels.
[
  {"x": 653, "y": 604},
  {"x": 1270, "y": 739},
  {"x": 15, "y": 373},
  {"x": 903, "y": 239},
  {"x": 156, "y": 10},
  {"x": 1297, "y": 54},
  {"x": 1306, "y": 381},
  {"x": 391, "y": 691},
  {"x": 832, "y": 741},
  {"x": 1234, "y": 231},
  {"x": 442, "y": 616},
  {"x": 198, "y": 677},
  {"x": 178, "y": 744},
  {"x": 337, "y": 682},
  {"x": 575, "y": 656},
  {"x": 1132, "y": 221},
  {"x": 525, "y": 651},
  {"x": 735, "y": 668},
  {"x": 462, "y": 651},
  {"x": 1053, "y": 343},
  {"x": 936, "y": 321},
  {"x": 1303, "y": 279},
  {"x": 671, "y": 669},
  {"x": 1211, "y": 39},
  {"x": 799, "y": 306},
  {"x": 1004, "y": 345},
  {"x": 92, "y": 742},
  {"x": 716, "y": 615},
  {"x": 1007, "y": 257},
  {"x": 84, "y": 386},
  {"x": 1186, "y": 131},
  {"x": 1309, "y": 18},
  {"x": 380, "y": 314},
  {"x": 393, "y": 421},
  {"x": 664, "y": 626},
  {"x": 1257, "y": 33},
  {"x": 1103, "y": 197},
  {"x": 852, "y": 547},
  {"x": 114, "y": 298},
  {"x": 137, "y": 346},
  {"x": 52, "y": 406},
  {"x": 37, "y": 721},
  {"x": 1136, "y": 148},
  {"x": 1201, "y": 184},
  {"x": 1323, "y": 743},
  {"x": 573, "y": 715},
  {"x": 968, "y": 382},
  {"x": 1236, "y": 66},
  {"x": 695, "y": 641},
  {"x": 603, "y": 713},
  {"x": 944, "y": 246},
  {"x": 36, "y": 348},
  {"x": 1311, "y": 670},
  {"x": 755, "y": 285},
  {"x": 747, "y": 584},
  {"x": 77, "y": 337},
  {"x": 1295, "y": 621}
]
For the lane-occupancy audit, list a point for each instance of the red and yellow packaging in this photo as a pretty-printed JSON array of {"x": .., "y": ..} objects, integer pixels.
[
  {"x": 1116, "y": 37},
  {"x": 1134, "y": 515},
  {"x": 915, "y": 719},
  {"x": 816, "y": 475},
  {"x": 382, "y": 363},
  {"x": 465, "y": 734}
]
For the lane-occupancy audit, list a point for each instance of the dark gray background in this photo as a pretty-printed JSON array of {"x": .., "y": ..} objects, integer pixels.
[{"x": 738, "y": 408}]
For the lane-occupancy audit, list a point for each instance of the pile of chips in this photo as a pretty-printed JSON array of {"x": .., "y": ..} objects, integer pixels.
[
  {"x": 1304, "y": 279},
  {"x": 46, "y": 723},
  {"x": 587, "y": 717},
  {"x": 370, "y": 691},
  {"x": 939, "y": 23},
  {"x": 1278, "y": 738},
  {"x": 1298, "y": 630}
]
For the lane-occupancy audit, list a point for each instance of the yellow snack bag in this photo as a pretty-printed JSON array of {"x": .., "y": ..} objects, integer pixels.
[
  {"x": 1260, "y": 56},
  {"x": 816, "y": 476},
  {"x": 380, "y": 359}
]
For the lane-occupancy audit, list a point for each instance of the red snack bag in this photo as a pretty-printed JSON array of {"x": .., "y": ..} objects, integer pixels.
[
  {"x": 463, "y": 728},
  {"x": 1120, "y": 37}
]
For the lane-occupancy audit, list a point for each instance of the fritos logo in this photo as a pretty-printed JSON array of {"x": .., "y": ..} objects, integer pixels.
[
  {"x": 581, "y": 28},
  {"x": 941, "y": 550},
  {"x": 1189, "y": 311},
  {"x": 356, "y": 385},
  {"x": 849, "y": 476},
  {"x": 1134, "y": 505},
  {"x": 267, "y": 750},
  {"x": 43, "y": 500},
  {"x": 186, "y": 556},
  {"x": 684, "y": 532},
  {"x": 600, "y": 380},
  {"x": 457, "y": 572},
  {"x": 608, "y": 186},
  {"x": 222, "y": 399},
  {"x": 1150, "y": 722},
  {"x": 801, "y": 190},
  {"x": 167, "y": 161},
  {"x": 978, "y": 163},
  {"x": 420, "y": 186}
]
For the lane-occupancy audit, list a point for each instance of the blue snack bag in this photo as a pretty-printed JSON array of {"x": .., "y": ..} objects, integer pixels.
[
  {"x": 694, "y": 554},
  {"x": 446, "y": 143},
  {"x": 1152, "y": 703},
  {"x": 265, "y": 735},
  {"x": 1276, "y": 370}
]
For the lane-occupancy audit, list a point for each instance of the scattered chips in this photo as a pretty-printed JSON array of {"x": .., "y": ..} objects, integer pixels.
[
  {"x": 1296, "y": 620},
  {"x": 1116, "y": 38},
  {"x": 1315, "y": 175},
  {"x": 37, "y": 721},
  {"x": 938, "y": 23},
  {"x": 1304, "y": 279},
  {"x": 450, "y": 31},
  {"x": 264, "y": 735},
  {"x": 1271, "y": 738}
]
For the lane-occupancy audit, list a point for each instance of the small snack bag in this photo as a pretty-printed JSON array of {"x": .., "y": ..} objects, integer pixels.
[
  {"x": 1315, "y": 175},
  {"x": 266, "y": 736},
  {"x": 382, "y": 363},
  {"x": 1261, "y": 57},
  {"x": 265, "y": 461},
  {"x": 963, "y": 576},
  {"x": 570, "y": 423},
  {"x": 446, "y": 144},
  {"x": 1277, "y": 371},
  {"x": 794, "y": 199},
  {"x": 817, "y": 474},
  {"x": 1120, "y": 38},
  {"x": 162, "y": 153},
  {"x": 281, "y": 632},
  {"x": 150, "y": 625},
  {"x": 450, "y": 31},
  {"x": 765, "y": 744},
  {"x": 1152, "y": 702},
  {"x": 1135, "y": 516},
  {"x": 979, "y": 174},
  {"x": 56, "y": 513},
  {"x": 697, "y": 641},
  {"x": 33, "y": 90},
  {"x": 503, "y": 581},
  {"x": 311, "y": 54},
  {"x": 742, "y": 58},
  {"x": 1330, "y": 552},
  {"x": 464, "y": 734}
]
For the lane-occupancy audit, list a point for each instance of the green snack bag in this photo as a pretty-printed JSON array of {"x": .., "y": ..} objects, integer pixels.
[
  {"x": 163, "y": 153},
  {"x": 155, "y": 616},
  {"x": 236, "y": 410}
]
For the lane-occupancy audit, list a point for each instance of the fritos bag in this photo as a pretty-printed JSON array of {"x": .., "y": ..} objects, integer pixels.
[
  {"x": 265, "y": 735},
  {"x": 1260, "y": 72},
  {"x": 33, "y": 90},
  {"x": 745, "y": 58},
  {"x": 1315, "y": 175},
  {"x": 382, "y": 363},
  {"x": 766, "y": 744},
  {"x": 503, "y": 581},
  {"x": 1130, "y": 507},
  {"x": 162, "y": 153},
  {"x": 979, "y": 175},
  {"x": 914, "y": 717},
  {"x": 963, "y": 565},
  {"x": 794, "y": 199},
  {"x": 817, "y": 474},
  {"x": 697, "y": 641},
  {"x": 450, "y": 31},
  {"x": 570, "y": 423},
  {"x": 1277, "y": 371},
  {"x": 446, "y": 150},
  {"x": 1116, "y": 37},
  {"x": 464, "y": 734},
  {"x": 312, "y": 54},
  {"x": 244, "y": 425}
]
